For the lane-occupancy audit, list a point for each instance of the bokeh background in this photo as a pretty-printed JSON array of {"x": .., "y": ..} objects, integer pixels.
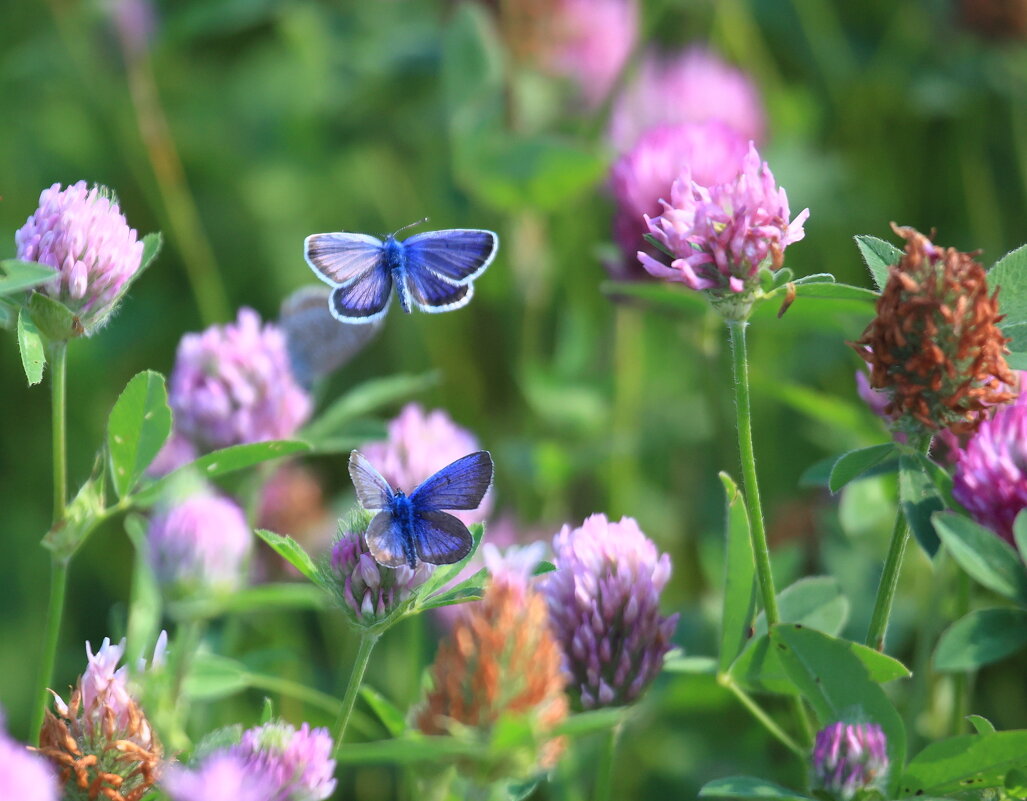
[{"x": 237, "y": 127}]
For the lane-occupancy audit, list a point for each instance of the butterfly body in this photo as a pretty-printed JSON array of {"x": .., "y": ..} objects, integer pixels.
[
  {"x": 413, "y": 527},
  {"x": 432, "y": 271}
]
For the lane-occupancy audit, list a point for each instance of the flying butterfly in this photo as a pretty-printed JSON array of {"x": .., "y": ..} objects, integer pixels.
[
  {"x": 432, "y": 271},
  {"x": 416, "y": 527}
]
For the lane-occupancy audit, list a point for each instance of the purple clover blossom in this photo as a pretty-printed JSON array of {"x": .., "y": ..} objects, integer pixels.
[
  {"x": 222, "y": 775},
  {"x": 23, "y": 775},
  {"x": 232, "y": 385},
  {"x": 83, "y": 235},
  {"x": 642, "y": 177},
  {"x": 202, "y": 541},
  {"x": 721, "y": 235},
  {"x": 420, "y": 444},
  {"x": 104, "y": 685},
  {"x": 295, "y": 764},
  {"x": 991, "y": 470},
  {"x": 604, "y": 607},
  {"x": 848, "y": 758},
  {"x": 369, "y": 590},
  {"x": 590, "y": 42},
  {"x": 693, "y": 86}
]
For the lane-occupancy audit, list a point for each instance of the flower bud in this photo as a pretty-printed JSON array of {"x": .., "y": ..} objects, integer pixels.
[{"x": 848, "y": 758}]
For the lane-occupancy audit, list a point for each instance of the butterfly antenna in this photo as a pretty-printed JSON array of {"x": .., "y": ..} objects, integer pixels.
[{"x": 412, "y": 225}]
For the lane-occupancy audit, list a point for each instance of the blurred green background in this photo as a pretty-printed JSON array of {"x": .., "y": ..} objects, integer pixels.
[{"x": 245, "y": 125}]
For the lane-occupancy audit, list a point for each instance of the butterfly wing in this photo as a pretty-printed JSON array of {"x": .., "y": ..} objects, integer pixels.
[
  {"x": 460, "y": 485},
  {"x": 317, "y": 344},
  {"x": 365, "y": 299},
  {"x": 385, "y": 540},
  {"x": 440, "y": 539},
  {"x": 373, "y": 491},
  {"x": 457, "y": 255},
  {"x": 340, "y": 258},
  {"x": 433, "y": 294}
]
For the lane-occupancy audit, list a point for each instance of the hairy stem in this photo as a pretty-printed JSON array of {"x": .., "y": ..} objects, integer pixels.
[
  {"x": 889, "y": 583},
  {"x": 356, "y": 678}
]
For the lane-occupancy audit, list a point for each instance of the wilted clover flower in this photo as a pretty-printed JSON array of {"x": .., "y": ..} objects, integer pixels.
[
  {"x": 293, "y": 764},
  {"x": 934, "y": 345},
  {"x": 23, "y": 775},
  {"x": 201, "y": 542},
  {"x": 586, "y": 41},
  {"x": 420, "y": 444},
  {"x": 991, "y": 470},
  {"x": 848, "y": 758},
  {"x": 83, "y": 235},
  {"x": 222, "y": 775},
  {"x": 643, "y": 176},
  {"x": 232, "y": 384},
  {"x": 500, "y": 661},
  {"x": 694, "y": 85},
  {"x": 370, "y": 591},
  {"x": 604, "y": 604},
  {"x": 101, "y": 741},
  {"x": 721, "y": 235}
]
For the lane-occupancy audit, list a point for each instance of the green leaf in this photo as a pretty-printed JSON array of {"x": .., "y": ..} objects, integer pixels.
[
  {"x": 138, "y": 425},
  {"x": 832, "y": 291},
  {"x": 388, "y": 713},
  {"x": 543, "y": 567},
  {"x": 1016, "y": 783},
  {"x": 251, "y": 600},
  {"x": 443, "y": 574},
  {"x": 749, "y": 787},
  {"x": 53, "y": 319},
  {"x": 410, "y": 750},
  {"x": 30, "y": 343},
  {"x": 151, "y": 247},
  {"x": 1020, "y": 533},
  {"x": 813, "y": 601},
  {"x": 878, "y": 256},
  {"x": 984, "y": 555},
  {"x": 292, "y": 552},
  {"x": 835, "y": 680},
  {"x": 470, "y": 589},
  {"x": 854, "y": 464},
  {"x": 211, "y": 677},
  {"x": 739, "y": 577},
  {"x": 85, "y": 512},
  {"x": 980, "y": 638},
  {"x": 590, "y": 722},
  {"x": 219, "y": 463},
  {"x": 144, "y": 609},
  {"x": 981, "y": 724},
  {"x": 1009, "y": 276},
  {"x": 676, "y": 662},
  {"x": 17, "y": 275},
  {"x": 920, "y": 500},
  {"x": 971, "y": 762},
  {"x": 362, "y": 400},
  {"x": 812, "y": 278},
  {"x": 152, "y": 244}
]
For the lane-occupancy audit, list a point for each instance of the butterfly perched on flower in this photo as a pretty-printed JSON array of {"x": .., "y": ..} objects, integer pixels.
[
  {"x": 416, "y": 527},
  {"x": 432, "y": 271}
]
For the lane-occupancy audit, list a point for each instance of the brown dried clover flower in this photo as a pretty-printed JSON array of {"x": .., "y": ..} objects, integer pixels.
[
  {"x": 102, "y": 752},
  {"x": 935, "y": 345},
  {"x": 500, "y": 660}
]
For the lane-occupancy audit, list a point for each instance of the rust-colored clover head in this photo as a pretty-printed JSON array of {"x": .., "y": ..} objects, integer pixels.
[
  {"x": 935, "y": 346},
  {"x": 100, "y": 741},
  {"x": 500, "y": 662}
]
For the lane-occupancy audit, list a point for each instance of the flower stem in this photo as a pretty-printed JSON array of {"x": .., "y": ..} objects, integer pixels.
[
  {"x": 356, "y": 678},
  {"x": 889, "y": 583},
  {"x": 760, "y": 714},
  {"x": 58, "y": 564},
  {"x": 604, "y": 776},
  {"x": 961, "y": 681},
  {"x": 740, "y": 364}
]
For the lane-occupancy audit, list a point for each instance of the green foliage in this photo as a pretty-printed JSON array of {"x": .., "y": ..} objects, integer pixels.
[
  {"x": 970, "y": 762},
  {"x": 878, "y": 256},
  {"x": 30, "y": 343},
  {"x": 749, "y": 787},
  {"x": 986, "y": 557},
  {"x": 293, "y": 553},
  {"x": 980, "y": 638},
  {"x": 739, "y": 577},
  {"x": 137, "y": 428},
  {"x": 920, "y": 499},
  {"x": 854, "y": 464},
  {"x": 17, "y": 276}
]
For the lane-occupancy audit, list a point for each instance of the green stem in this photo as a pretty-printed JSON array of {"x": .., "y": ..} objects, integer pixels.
[
  {"x": 740, "y": 364},
  {"x": 604, "y": 776},
  {"x": 760, "y": 714},
  {"x": 889, "y": 583},
  {"x": 961, "y": 681},
  {"x": 356, "y": 678},
  {"x": 58, "y": 564}
]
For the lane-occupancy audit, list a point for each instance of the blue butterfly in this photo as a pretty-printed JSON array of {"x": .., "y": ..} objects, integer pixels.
[
  {"x": 408, "y": 528},
  {"x": 433, "y": 270}
]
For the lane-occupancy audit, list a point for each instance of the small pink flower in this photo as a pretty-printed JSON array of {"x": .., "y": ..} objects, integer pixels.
[
  {"x": 721, "y": 235},
  {"x": 23, "y": 775}
]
